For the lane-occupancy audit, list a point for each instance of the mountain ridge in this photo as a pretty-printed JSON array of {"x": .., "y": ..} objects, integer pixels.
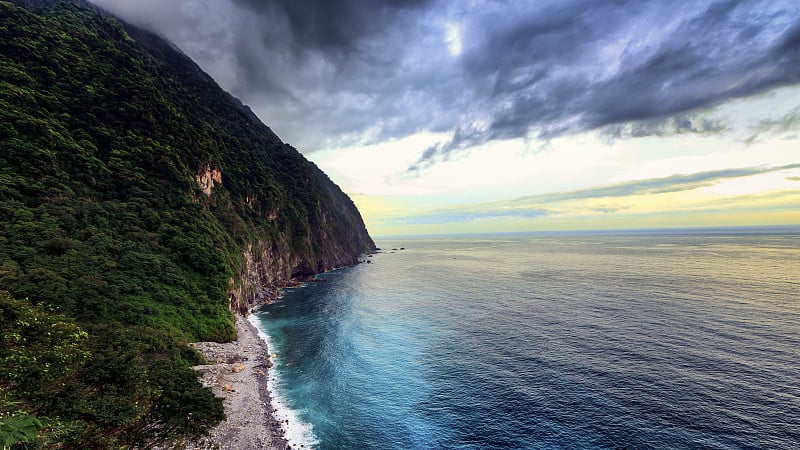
[{"x": 140, "y": 205}]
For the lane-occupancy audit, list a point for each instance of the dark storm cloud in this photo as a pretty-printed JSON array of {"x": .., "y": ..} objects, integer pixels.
[
  {"x": 287, "y": 39},
  {"x": 325, "y": 74},
  {"x": 676, "y": 58},
  {"x": 333, "y": 25}
]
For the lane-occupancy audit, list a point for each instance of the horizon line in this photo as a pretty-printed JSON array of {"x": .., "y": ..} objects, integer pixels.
[{"x": 594, "y": 231}]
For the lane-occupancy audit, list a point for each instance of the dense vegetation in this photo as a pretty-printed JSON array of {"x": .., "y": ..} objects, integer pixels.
[{"x": 112, "y": 256}]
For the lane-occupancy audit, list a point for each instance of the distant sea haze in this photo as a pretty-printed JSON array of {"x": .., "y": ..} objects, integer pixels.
[{"x": 666, "y": 339}]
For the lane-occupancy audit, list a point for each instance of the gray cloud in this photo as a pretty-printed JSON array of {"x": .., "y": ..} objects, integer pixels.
[
  {"x": 325, "y": 74},
  {"x": 332, "y": 25},
  {"x": 787, "y": 123},
  {"x": 678, "y": 124},
  {"x": 632, "y": 68},
  {"x": 674, "y": 183}
]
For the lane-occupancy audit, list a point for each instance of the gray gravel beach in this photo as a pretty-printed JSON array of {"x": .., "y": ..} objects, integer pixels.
[{"x": 238, "y": 372}]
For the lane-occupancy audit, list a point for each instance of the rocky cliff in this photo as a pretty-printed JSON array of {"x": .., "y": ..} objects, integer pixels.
[
  {"x": 121, "y": 114},
  {"x": 139, "y": 205},
  {"x": 337, "y": 235}
]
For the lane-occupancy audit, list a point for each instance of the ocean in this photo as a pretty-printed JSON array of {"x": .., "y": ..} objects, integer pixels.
[{"x": 636, "y": 339}]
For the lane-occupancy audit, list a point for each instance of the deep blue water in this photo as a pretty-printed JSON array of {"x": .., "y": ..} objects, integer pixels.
[{"x": 668, "y": 339}]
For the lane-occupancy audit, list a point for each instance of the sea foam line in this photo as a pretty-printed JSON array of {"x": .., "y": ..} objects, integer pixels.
[{"x": 296, "y": 432}]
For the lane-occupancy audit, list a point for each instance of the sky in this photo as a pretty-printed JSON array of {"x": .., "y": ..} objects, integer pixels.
[{"x": 440, "y": 116}]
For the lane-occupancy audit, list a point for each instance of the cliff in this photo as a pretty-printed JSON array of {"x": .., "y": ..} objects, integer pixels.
[{"x": 139, "y": 205}]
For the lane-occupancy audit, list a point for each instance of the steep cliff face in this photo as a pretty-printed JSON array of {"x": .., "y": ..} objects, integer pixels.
[
  {"x": 125, "y": 118},
  {"x": 334, "y": 232},
  {"x": 269, "y": 266},
  {"x": 139, "y": 205}
]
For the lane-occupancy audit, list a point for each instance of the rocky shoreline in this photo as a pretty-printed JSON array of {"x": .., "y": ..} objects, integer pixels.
[{"x": 238, "y": 372}]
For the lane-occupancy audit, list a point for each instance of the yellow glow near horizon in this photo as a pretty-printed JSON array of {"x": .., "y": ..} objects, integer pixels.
[
  {"x": 753, "y": 185},
  {"x": 699, "y": 207},
  {"x": 579, "y": 181}
]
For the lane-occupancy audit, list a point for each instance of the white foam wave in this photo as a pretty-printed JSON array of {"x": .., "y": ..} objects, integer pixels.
[{"x": 295, "y": 431}]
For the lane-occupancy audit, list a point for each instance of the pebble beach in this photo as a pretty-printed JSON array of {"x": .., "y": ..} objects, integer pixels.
[{"x": 238, "y": 372}]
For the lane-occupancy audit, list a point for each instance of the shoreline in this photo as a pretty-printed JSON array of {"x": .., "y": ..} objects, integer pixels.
[{"x": 238, "y": 372}]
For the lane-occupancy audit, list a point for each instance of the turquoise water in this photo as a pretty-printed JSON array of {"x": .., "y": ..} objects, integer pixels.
[{"x": 670, "y": 339}]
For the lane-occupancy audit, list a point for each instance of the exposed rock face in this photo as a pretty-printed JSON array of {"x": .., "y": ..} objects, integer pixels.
[
  {"x": 269, "y": 266},
  {"x": 264, "y": 270},
  {"x": 206, "y": 179}
]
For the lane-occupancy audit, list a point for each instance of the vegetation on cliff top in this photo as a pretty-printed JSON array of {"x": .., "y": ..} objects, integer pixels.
[{"x": 129, "y": 186}]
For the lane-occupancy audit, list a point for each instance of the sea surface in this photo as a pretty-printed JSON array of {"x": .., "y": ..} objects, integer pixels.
[{"x": 638, "y": 339}]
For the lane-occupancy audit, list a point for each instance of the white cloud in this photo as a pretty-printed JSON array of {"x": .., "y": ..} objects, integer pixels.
[{"x": 453, "y": 38}]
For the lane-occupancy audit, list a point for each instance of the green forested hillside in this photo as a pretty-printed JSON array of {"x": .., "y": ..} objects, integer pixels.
[{"x": 130, "y": 185}]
